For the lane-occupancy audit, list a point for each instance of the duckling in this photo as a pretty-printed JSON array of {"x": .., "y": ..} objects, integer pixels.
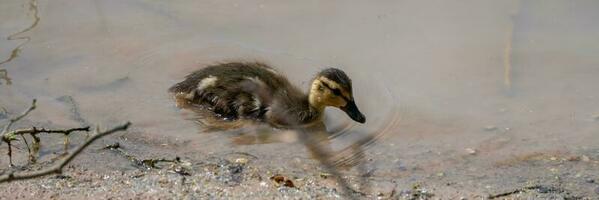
[{"x": 257, "y": 92}]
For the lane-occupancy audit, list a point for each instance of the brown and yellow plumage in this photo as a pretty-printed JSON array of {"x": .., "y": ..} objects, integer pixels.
[{"x": 256, "y": 92}]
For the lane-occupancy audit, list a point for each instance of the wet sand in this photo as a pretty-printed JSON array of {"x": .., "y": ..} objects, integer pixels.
[{"x": 492, "y": 96}]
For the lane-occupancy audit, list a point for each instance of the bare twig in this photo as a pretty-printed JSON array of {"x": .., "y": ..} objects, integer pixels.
[
  {"x": 35, "y": 131},
  {"x": 540, "y": 188},
  {"x": 8, "y": 138},
  {"x": 25, "y": 113},
  {"x": 27, "y": 145},
  {"x": 57, "y": 169},
  {"x": 146, "y": 163}
]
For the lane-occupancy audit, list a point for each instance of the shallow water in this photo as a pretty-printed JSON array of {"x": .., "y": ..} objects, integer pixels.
[{"x": 504, "y": 78}]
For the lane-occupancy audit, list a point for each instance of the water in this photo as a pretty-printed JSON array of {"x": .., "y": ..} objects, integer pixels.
[{"x": 504, "y": 78}]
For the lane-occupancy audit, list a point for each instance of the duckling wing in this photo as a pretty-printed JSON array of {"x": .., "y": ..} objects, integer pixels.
[
  {"x": 233, "y": 90},
  {"x": 232, "y": 98}
]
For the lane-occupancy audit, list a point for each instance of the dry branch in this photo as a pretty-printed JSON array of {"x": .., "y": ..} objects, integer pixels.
[
  {"x": 145, "y": 163},
  {"x": 57, "y": 169},
  {"x": 35, "y": 131},
  {"x": 9, "y": 136},
  {"x": 25, "y": 113}
]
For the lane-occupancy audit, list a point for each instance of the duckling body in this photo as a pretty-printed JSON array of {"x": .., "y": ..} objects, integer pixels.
[{"x": 255, "y": 91}]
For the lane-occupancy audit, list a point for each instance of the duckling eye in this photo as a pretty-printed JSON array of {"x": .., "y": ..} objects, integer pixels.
[{"x": 336, "y": 92}]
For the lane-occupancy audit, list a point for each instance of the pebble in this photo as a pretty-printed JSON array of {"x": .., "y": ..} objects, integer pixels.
[
  {"x": 574, "y": 158},
  {"x": 241, "y": 160},
  {"x": 490, "y": 128},
  {"x": 263, "y": 184},
  {"x": 471, "y": 151},
  {"x": 597, "y": 190},
  {"x": 585, "y": 158}
]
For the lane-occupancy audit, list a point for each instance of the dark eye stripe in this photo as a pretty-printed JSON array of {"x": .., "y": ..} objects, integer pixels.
[{"x": 335, "y": 91}]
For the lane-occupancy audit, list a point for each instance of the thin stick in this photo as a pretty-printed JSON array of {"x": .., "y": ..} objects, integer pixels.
[
  {"x": 57, "y": 169},
  {"x": 25, "y": 113},
  {"x": 35, "y": 131},
  {"x": 27, "y": 145}
]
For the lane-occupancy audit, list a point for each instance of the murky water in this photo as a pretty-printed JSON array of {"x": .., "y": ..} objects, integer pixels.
[{"x": 502, "y": 78}]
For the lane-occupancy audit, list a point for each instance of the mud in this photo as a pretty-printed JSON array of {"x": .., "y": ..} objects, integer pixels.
[{"x": 491, "y": 98}]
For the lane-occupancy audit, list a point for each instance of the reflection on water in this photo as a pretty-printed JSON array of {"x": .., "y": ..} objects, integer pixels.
[{"x": 15, "y": 36}]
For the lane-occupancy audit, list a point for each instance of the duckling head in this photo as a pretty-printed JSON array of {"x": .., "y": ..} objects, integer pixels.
[{"x": 332, "y": 87}]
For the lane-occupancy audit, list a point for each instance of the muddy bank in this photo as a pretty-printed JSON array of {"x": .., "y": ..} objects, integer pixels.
[{"x": 494, "y": 98}]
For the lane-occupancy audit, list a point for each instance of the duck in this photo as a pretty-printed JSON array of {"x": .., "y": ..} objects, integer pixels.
[{"x": 257, "y": 92}]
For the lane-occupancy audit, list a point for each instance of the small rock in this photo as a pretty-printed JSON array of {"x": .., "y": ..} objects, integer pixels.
[
  {"x": 597, "y": 190},
  {"x": 325, "y": 175},
  {"x": 241, "y": 160},
  {"x": 282, "y": 181},
  {"x": 585, "y": 158},
  {"x": 553, "y": 158},
  {"x": 589, "y": 180},
  {"x": 163, "y": 181},
  {"x": 471, "y": 151},
  {"x": 573, "y": 158},
  {"x": 490, "y": 128}
]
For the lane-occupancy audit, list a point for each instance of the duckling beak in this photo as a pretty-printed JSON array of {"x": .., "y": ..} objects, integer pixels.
[{"x": 352, "y": 110}]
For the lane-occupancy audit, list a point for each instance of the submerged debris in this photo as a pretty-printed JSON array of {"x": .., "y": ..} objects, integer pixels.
[
  {"x": 3, "y": 113},
  {"x": 537, "y": 188},
  {"x": 585, "y": 158},
  {"x": 74, "y": 109},
  {"x": 4, "y": 76},
  {"x": 416, "y": 193},
  {"x": 471, "y": 151},
  {"x": 178, "y": 166},
  {"x": 241, "y": 161},
  {"x": 7, "y": 135},
  {"x": 325, "y": 175},
  {"x": 281, "y": 180},
  {"x": 490, "y": 128}
]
